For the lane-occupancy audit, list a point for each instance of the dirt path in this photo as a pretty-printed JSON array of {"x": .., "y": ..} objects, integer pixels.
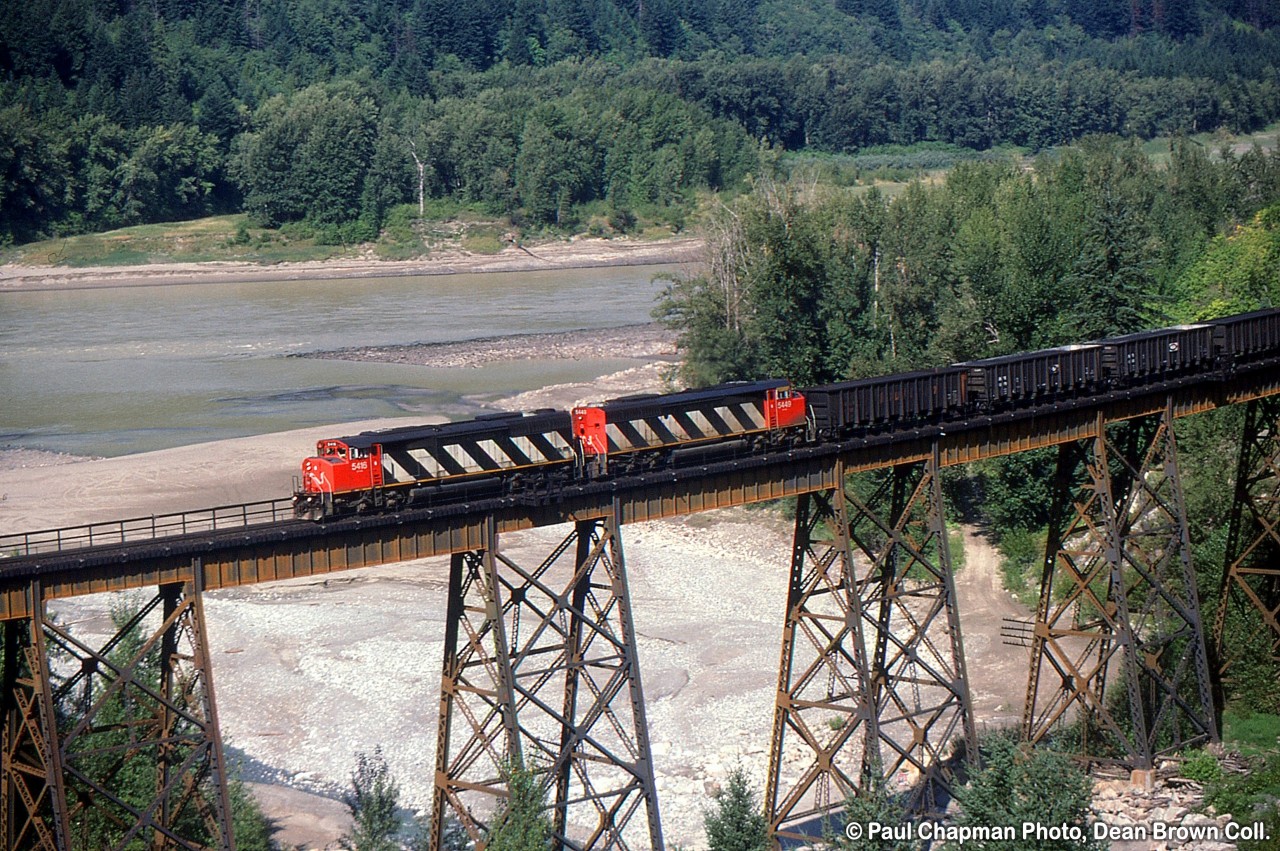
[{"x": 997, "y": 672}]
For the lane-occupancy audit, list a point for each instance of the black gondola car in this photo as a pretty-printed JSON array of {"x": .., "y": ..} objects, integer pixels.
[
  {"x": 1152, "y": 355},
  {"x": 870, "y": 403},
  {"x": 1248, "y": 337},
  {"x": 1000, "y": 382}
]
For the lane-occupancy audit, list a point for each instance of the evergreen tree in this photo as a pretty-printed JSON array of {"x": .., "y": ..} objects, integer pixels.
[
  {"x": 736, "y": 822},
  {"x": 1019, "y": 784},
  {"x": 875, "y": 803}
]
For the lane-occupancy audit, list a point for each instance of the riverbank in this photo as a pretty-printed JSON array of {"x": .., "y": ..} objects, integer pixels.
[
  {"x": 628, "y": 341},
  {"x": 577, "y": 253}
]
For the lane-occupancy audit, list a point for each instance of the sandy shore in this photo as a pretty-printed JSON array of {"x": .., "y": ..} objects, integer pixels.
[
  {"x": 627, "y": 341},
  {"x": 578, "y": 253}
]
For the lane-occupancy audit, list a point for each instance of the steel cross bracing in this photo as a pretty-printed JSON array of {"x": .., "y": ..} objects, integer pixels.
[
  {"x": 1118, "y": 648},
  {"x": 871, "y": 682},
  {"x": 1248, "y": 617},
  {"x": 541, "y": 673},
  {"x": 540, "y": 663},
  {"x": 82, "y": 718}
]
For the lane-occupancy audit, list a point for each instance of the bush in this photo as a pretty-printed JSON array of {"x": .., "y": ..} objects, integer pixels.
[
  {"x": 1022, "y": 564},
  {"x": 521, "y": 823},
  {"x": 875, "y": 804},
  {"x": 1019, "y": 784},
  {"x": 1250, "y": 795},
  {"x": 373, "y": 802},
  {"x": 1202, "y": 767}
]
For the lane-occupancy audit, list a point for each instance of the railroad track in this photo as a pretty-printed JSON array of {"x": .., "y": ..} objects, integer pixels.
[{"x": 142, "y": 529}]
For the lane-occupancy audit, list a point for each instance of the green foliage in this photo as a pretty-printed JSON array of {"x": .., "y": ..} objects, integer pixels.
[
  {"x": 1202, "y": 767},
  {"x": 1019, "y": 784},
  {"x": 1254, "y": 684},
  {"x": 1017, "y": 490},
  {"x": 521, "y": 823},
  {"x": 818, "y": 285},
  {"x": 252, "y": 828},
  {"x": 736, "y": 820},
  {"x": 373, "y": 800},
  {"x": 1252, "y": 794},
  {"x": 307, "y": 156},
  {"x": 1251, "y": 732},
  {"x": 114, "y": 113},
  {"x": 1238, "y": 273},
  {"x": 875, "y": 803},
  {"x": 1270, "y": 818}
]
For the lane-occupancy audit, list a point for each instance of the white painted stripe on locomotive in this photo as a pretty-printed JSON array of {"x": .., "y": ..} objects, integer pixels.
[
  {"x": 536, "y": 455},
  {"x": 396, "y": 472},
  {"x": 618, "y": 441},
  {"x": 755, "y": 416}
]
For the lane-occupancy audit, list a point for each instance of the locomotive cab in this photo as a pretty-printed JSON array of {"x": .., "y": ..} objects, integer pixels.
[
  {"x": 784, "y": 407},
  {"x": 336, "y": 469}
]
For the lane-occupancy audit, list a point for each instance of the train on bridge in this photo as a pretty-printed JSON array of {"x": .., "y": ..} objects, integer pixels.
[{"x": 535, "y": 455}]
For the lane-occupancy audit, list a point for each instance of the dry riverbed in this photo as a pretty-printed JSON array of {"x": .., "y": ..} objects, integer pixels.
[{"x": 310, "y": 672}]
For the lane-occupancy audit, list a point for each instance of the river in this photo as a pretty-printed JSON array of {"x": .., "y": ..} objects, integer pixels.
[{"x": 112, "y": 371}]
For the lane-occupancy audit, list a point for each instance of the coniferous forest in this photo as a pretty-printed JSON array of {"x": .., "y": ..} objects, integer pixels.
[
  {"x": 1056, "y": 220},
  {"x": 328, "y": 113}
]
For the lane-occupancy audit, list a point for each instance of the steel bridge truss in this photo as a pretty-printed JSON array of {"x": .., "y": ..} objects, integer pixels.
[
  {"x": 107, "y": 746},
  {"x": 1118, "y": 648},
  {"x": 1248, "y": 617},
  {"x": 872, "y": 690},
  {"x": 541, "y": 673}
]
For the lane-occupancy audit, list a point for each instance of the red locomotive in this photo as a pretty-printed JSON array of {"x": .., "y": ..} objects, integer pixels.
[
  {"x": 537, "y": 453},
  {"x": 502, "y": 454}
]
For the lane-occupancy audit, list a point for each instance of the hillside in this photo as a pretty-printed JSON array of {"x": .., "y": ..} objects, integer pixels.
[{"x": 327, "y": 117}]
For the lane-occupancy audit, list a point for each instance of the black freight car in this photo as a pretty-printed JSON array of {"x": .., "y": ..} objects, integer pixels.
[
  {"x": 1246, "y": 338},
  {"x": 1014, "y": 380},
  {"x": 1153, "y": 355},
  {"x": 865, "y": 404}
]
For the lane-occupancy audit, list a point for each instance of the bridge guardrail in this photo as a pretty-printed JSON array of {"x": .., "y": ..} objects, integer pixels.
[{"x": 150, "y": 528}]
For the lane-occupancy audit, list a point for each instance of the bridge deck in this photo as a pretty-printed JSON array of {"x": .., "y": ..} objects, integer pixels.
[{"x": 251, "y": 552}]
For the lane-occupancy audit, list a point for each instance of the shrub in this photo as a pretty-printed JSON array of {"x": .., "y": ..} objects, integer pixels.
[
  {"x": 875, "y": 804},
  {"x": 373, "y": 802},
  {"x": 521, "y": 823},
  {"x": 1202, "y": 767},
  {"x": 1019, "y": 784}
]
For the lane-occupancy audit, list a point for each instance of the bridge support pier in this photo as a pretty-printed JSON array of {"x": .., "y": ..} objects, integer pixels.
[
  {"x": 1248, "y": 618},
  {"x": 1118, "y": 635},
  {"x": 871, "y": 686},
  {"x": 141, "y": 704},
  {"x": 541, "y": 671}
]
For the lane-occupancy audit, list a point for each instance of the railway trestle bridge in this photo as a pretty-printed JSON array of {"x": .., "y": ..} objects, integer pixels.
[{"x": 540, "y": 661}]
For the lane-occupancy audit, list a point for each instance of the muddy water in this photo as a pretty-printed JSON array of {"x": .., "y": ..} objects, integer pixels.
[{"x": 131, "y": 369}]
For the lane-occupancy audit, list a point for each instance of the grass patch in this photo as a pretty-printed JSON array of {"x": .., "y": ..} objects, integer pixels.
[
  {"x": 483, "y": 242},
  {"x": 202, "y": 240},
  {"x": 1252, "y": 733},
  {"x": 955, "y": 546}
]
